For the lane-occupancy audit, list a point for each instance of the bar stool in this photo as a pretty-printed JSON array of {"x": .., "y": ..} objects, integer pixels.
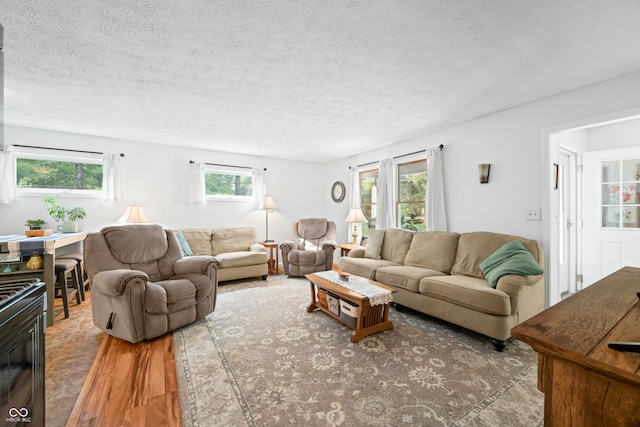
[
  {"x": 66, "y": 270},
  {"x": 82, "y": 272}
]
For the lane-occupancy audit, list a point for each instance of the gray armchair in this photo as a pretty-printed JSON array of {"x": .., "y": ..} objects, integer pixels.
[
  {"x": 141, "y": 286},
  {"x": 310, "y": 248}
]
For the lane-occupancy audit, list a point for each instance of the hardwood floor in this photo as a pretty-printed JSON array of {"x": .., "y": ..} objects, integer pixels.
[
  {"x": 130, "y": 385},
  {"x": 94, "y": 379}
]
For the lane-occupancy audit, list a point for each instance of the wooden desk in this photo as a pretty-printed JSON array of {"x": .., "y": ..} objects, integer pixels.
[
  {"x": 585, "y": 383},
  {"x": 47, "y": 274},
  {"x": 274, "y": 262}
]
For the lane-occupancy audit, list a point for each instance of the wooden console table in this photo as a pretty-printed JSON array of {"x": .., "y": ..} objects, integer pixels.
[{"x": 585, "y": 383}]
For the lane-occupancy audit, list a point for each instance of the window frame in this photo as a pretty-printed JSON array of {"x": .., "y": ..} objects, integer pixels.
[
  {"x": 229, "y": 170},
  {"x": 398, "y": 201},
  {"x": 43, "y": 154},
  {"x": 618, "y": 183}
]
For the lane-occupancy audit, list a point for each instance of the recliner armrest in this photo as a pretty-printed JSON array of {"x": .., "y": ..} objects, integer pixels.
[
  {"x": 198, "y": 264},
  {"x": 328, "y": 243},
  {"x": 288, "y": 245},
  {"x": 114, "y": 282}
]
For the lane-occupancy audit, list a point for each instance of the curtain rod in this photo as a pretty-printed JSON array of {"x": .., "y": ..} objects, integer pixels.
[
  {"x": 61, "y": 149},
  {"x": 228, "y": 166},
  {"x": 441, "y": 146}
]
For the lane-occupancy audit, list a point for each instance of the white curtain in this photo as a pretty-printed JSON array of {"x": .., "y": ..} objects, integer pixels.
[
  {"x": 111, "y": 178},
  {"x": 259, "y": 187},
  {"x": 354, "y": 195},
  {"x": 434, "y": 197},
  {"x": 198, "y": 190},
  {"x": 386, "y": 211},
  {"x": 7, "y": 175}
]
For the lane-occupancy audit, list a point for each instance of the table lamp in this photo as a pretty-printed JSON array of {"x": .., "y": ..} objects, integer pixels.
[
  {"x": 134, "y": 214},
  {"x": 356, "y": 216}
]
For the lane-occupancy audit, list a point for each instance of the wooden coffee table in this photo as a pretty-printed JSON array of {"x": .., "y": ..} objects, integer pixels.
[{"x": 371, "y": 319}]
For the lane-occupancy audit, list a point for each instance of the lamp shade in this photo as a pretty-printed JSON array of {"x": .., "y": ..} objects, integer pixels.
[
  {"x": 269, "y": 203},
  {"x": 134, "y": 213},
  {"x": 356, "y": 215}
]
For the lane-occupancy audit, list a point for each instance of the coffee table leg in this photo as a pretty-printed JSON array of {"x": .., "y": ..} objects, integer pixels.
[{"x": 312, "y": 306}]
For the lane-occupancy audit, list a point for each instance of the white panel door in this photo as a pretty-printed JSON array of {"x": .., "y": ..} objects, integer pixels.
[{"x": 605, "y": 248}]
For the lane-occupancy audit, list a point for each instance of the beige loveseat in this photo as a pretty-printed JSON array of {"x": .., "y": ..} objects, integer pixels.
[
  {"x": 438, "y": 273},
  {"x": 236, "y": 248}
]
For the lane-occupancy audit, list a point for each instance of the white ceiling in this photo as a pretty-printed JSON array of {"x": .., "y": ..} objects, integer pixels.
[{"x": 309, "y": 79}]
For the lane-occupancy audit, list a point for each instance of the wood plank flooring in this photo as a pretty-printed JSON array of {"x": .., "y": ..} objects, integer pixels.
[{"x": 130, "y": 385}]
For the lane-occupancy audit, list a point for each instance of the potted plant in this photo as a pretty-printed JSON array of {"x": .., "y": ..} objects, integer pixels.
[
  {"x": 35, "y": 224},
  {"x": 63, "y": 213}
]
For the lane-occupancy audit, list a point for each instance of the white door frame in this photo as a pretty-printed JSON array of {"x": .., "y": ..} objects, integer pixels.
[{"x": 550, "y": 225}]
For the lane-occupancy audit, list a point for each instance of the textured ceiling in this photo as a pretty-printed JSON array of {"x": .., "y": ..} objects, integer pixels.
[{"x": 309, "y": 79}]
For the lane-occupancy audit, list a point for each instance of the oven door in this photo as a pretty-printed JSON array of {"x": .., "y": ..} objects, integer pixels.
[{"x": 22, "y": 364}]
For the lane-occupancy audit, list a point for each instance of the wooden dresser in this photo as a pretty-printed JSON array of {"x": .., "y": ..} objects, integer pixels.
[{"x": 585, "y": 383}]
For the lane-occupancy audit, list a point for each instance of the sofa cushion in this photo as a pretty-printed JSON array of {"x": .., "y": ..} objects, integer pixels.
[
  {"x": 511, "y": 258},
  {"x": 434, "y": 250},
  {"x": 120, "y": 241},
  {"x": 363, "y": 267},
  {"x": 403, "y": 276},
  {"x": 232, "y": 239},
  {"x": 184, "y": 245},
  {"x": 241, "y": 258},
  {"x": 374, "y": 245},
  {"x": 468, "y": 292},
  {"x": 199, "y": 240},
  {"x": 396, "y": 244},
  {"x": 473, "y": 248}
]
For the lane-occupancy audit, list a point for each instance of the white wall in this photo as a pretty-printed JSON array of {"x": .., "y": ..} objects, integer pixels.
[
  {"x": 624, "y": 134},
  {"x": 157, "y": 177}
]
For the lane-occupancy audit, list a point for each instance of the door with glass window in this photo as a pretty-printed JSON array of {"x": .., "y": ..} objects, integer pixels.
[{"x": 611, "y": 231}]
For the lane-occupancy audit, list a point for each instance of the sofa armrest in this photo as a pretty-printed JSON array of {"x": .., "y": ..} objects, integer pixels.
[
  {"x": 114, "y": 282},
  {"x": 198, "y": 264},
  {"x": 526, "y": 293},
  {"x": 257, "y": 247},
  {"x": 356, "y": 253}
]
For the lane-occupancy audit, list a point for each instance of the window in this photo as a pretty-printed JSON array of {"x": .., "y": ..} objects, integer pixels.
[
  {"x": 228, "y": 183},
  {"x": 412, "y": 185},
  {"x": 369, "y": 198},
  {"x": 621, "y": 194},
  {"x": 37, "y": 172}
]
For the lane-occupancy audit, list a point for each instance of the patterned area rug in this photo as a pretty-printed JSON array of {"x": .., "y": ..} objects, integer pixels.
[{"x": 261, "y": 359}]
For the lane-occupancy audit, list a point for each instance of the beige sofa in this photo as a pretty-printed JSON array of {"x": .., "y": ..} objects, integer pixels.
[
  {"x": 438, "y": 273},
  {"x": 236, "y": 249}
]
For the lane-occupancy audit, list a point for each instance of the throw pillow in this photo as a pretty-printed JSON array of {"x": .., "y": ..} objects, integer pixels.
[
  {"x": 374, "y": 246},
  {"x": 186, "y": 249},
  {"x": 511, "y": 258}
]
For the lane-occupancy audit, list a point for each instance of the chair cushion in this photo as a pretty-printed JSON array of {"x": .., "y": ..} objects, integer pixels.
[
  {"x": 169, "y": 296},
  {"x": 298, "y": 257},
  {"x": 312, "y": 228},
  {"x": 124, "y": 242}
]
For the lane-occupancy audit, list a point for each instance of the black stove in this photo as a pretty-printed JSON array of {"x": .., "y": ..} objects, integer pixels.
[{"x": 22, "y": 329}]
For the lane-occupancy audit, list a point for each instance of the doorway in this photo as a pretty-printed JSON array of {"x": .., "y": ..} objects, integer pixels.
[{"x": 568, "y": 222}]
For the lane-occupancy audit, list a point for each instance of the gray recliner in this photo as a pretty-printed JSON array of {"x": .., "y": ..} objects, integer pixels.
[
  {"x": 310, "y": 248},
  {"x": 141, "y": 286}
]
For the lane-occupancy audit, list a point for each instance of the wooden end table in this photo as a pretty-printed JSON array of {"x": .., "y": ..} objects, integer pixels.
[
  {"x": 371, "y": 319},
  {"x": 345, "y": 248},
  {"x": 273, "y": 262}
]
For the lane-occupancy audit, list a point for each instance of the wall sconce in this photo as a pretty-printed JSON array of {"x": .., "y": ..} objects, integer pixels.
[{"x": 484, "y": 170}]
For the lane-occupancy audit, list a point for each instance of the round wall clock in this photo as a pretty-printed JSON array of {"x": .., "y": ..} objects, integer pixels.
[{"x": 338, "y": 191}]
